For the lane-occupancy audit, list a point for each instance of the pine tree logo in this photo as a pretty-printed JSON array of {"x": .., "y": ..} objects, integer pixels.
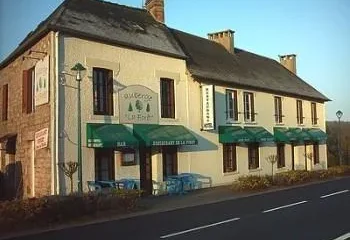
[
  {"x": 130, "y": 107},
  {"x": 139, "y": 105},
  {"x": 148, "y": 108}
]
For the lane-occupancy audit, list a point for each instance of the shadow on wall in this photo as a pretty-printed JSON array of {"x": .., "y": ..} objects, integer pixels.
[
  {"x": 203, "y": 145},
  {"x": 11, "y": 182}
]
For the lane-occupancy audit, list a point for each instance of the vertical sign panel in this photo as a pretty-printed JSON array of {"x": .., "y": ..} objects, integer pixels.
[
  {"x": 208, "y": 120},
  {"x": 42, "y": 82}
]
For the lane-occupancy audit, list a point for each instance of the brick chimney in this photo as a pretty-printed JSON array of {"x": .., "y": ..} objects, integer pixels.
[
  {"x": 289, "y": 62},
  {"x": 225, "y": 38},
  {"x": 156, "y": 9}
]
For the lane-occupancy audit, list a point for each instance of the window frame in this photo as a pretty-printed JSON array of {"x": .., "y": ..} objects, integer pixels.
[
  {"x": 5, "y": 102},
  {"x": 229, "y": 157},
  {"x": 314, "y": 118},
  {"x": 278, "y": 110},
  {"x": 128, "y": 151},
  {"x": 249, "y": 114},
  {"x": 231, "y": 111},
  {"x": 167, "y": 98},
  {"x": 316, "y": 153},
  {"x": 281, "y": 155},
  {"x": 253, "y": 156},
  {"x": 300, "y": 114},
  {"x": 103, "y": 96}
]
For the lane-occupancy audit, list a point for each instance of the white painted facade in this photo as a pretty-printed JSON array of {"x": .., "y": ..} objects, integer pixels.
[{"x": 135, "y": 67}]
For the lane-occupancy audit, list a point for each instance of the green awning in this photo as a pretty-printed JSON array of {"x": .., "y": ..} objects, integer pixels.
[
  {"x": 284, "y": 135},
  {"x": 234, "y": 134},
  {"x": 302, "y": 135},
  {"x": 260, "y": 134},
  {"x": 100, "y": 135},
  {"x": 316, "y": 134},
  {"x": 164, "y": 135}
]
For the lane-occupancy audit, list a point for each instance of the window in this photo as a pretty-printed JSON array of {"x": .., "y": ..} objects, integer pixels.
[
  {"x": 102, "y": 91},
  {"x": 316, "y": 153},
  {"x": 253, "y": 155},
  {"x": 300, "y": 117},
  {"x": 229, "y": 158},
  {"x": 231, "y": 105},
  {"x": 313, "y": 114},
  {"x": 167, "y": 98},
  {"x": 169, "y": 155},
  {"x": 28, "y": 91},
  {"x": 278, "y": 110},
  {"x": 104, "y": 164},
  {"x": 128, "y": 157},
  {"x": 249, "y": 114},
  {"x": 280, "y": 156},
  {"x": 5, "y": 102}
]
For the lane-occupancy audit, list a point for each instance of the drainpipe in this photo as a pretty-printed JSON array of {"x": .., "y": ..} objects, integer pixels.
[{"x": 57, "y": 185}]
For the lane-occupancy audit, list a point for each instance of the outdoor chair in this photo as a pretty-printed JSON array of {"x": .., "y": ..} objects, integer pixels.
[
  {"x": 173, "y": 186},
  {"x": 93, "y": 186}
]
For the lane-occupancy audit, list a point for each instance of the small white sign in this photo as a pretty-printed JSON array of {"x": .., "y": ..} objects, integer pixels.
[
  {"x": 42, "y": 82},
  {"x": 208, "y": 119},
  {"x": 41, "y": 138}
]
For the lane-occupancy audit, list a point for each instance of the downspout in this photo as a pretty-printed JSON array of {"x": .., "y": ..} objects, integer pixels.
[
  {"x": 188, "y": 113},
  {"x": 57, "y": 185}
]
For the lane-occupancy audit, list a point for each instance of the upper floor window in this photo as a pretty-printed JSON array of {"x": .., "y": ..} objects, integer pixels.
[
  {"x": 278, "y": 110},
  {"x": 313, "y": 114},
  {"x": 167, "y": 98},
  {"x": 281, "y": 162},
  {"x": 249, "y": 112},
  {"x": 300, "y": 117},
  {"x": 5, "y": 102},
  {"x": 231, "y": 105},
  {"x": 28, "y": 91},
  {"x": 229, "y": 158},
  {"x": 253, "y": 155},
  {"x": 103, "y": 91}
]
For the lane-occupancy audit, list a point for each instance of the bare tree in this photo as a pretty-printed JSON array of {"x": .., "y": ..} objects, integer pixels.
[
  {"x": 309, "y": 156},
  {"x": 69, "y": 168},
  {"x": 272, "y": 159}
]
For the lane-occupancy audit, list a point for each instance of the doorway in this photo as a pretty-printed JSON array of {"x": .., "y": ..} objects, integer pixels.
[
  {"x": 146, "y": 170},
  {"x": 169, "y": 156},
  {"x": 104, "y": 164}
]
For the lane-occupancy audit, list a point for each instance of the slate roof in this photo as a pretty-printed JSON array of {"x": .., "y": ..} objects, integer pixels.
[
  {"x": 106, "y": 22},
  {"x": 211, "y": 61}
]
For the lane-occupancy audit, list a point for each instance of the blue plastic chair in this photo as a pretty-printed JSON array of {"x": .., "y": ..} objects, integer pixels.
[{"x": 173, "y": 186}]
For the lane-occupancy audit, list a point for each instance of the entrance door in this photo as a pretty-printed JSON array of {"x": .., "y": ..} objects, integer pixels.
[
  {"x": 104, "y": 164},
  {"x": 169, "y": 155},
  {"x": 292, "y": 156},
  {"x": 146, "y": 170}
]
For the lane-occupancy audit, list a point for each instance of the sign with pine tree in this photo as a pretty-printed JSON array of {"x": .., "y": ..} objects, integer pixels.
[{"x": 42, "y": 81}]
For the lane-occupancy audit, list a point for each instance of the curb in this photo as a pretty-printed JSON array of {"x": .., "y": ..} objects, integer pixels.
[{"x": 160, "y": 210}]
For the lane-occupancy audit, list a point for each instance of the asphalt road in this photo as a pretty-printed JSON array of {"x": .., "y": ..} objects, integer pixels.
[{"x": 315, "y": 212}]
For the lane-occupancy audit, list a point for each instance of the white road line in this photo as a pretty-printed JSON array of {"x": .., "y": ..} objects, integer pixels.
[
  {"x": 199, "y": 228},
  {"x": 285, "y": 206},
  {"x": 332, "y": 194},
  {"x": 343, "y": 237}
]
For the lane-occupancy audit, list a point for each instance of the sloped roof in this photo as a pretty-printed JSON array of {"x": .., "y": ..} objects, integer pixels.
[
  {"x": 211, "y": 61},
  {"x": 106, "y": 22}
]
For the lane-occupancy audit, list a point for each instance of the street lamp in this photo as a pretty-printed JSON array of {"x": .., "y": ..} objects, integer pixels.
[
  {"x": 339, "y": 115},
  {"x": 79, "y": 68}
]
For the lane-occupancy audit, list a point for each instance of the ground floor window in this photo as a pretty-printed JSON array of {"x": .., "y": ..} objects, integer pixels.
[
  {"x": 229, "y": 158},
  {"x": 128, "y": 157},
  {"x": 281, "y": 162},
  {"x": 253, "y": 155},
  {"x": 169, "y": 155},
  {"x": 104, "y": 164},
  {"x": 316, "y": 153}
]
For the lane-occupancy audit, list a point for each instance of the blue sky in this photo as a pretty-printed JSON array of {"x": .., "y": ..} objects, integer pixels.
[{"x": 318, "y": 31}]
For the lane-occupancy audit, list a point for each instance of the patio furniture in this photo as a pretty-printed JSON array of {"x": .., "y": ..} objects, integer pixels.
[
  {"x": 93, "y": 186},
  {"x": 173, "y": 185}
]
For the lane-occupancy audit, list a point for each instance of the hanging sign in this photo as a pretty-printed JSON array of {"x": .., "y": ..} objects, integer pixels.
[
  {"x": 41, "y": 138},
  {"x": 208, "y": 119},
  {"x": 138, "y": 104},
  {"x": 42, "y": 82}
]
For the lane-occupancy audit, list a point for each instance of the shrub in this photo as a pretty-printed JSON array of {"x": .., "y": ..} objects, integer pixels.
[
  {"x": 54, "y": 209},
  {"x": 292, "y": 177},
  {"x": 339, "y": 170},
  {"x": 249, "y": 183}
]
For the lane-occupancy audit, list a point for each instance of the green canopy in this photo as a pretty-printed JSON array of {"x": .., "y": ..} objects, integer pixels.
[
  {"x": 164, "y": 135},
  {"x": 260, "y": 134},
  {"x": 302, "y": 134},
  {"x": 284, "y": 135},
  {"x": 316, "y": 134},
  {"x": 234, "y": 134},
  {"x": 100, "y": 135}
]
